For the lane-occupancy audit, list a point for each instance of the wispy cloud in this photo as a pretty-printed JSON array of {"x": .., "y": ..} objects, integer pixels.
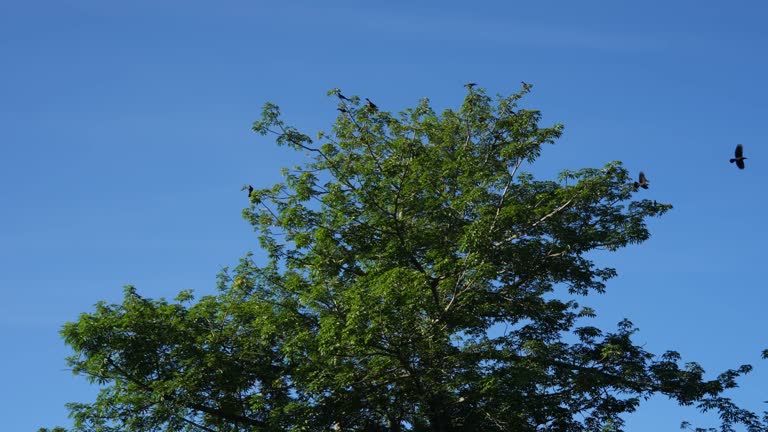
[
  {"x": 421, "y": 25},
  {"x": 519, "y": 34}
]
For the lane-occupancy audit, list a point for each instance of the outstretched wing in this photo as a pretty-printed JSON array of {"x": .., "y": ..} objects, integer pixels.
[
  {"x": 740, "y": 163},
  {"x": 739, "y": 152},
  {"x": 642, "y": 179}
]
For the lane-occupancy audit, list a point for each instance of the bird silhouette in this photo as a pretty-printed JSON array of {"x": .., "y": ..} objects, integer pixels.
[
  {"x": 642, "y": 181},
  {"x": 342, "y": 97},
  {"x": 250, "y": 190},
  {"x": 470, "y": 85},
  {"x": 739, "y": 157},
  {"x": 371, "y": 105}
]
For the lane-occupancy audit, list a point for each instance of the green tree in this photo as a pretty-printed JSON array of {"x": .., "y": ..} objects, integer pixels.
[{"x": 418, "y": 279}]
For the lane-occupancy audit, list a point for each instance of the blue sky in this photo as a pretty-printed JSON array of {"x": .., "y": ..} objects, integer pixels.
[{"x": 125, "y": 138}]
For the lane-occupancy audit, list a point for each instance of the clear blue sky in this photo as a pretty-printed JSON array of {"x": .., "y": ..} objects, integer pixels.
[{"x": 125, "y": 138}]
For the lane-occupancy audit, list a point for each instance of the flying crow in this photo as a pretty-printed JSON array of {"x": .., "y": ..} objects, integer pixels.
[
  {"x": 641, "y": 182},
  {"x": 739, "y": 159}
]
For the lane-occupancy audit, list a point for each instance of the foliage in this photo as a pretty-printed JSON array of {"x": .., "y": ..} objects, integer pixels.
[{"x": 419, "y": 279}]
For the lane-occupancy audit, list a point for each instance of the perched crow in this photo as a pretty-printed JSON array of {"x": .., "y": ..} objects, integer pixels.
[
  {"x": 739, "y": 159},
  {"x": 641, "y": 182},
  {"x": 371, "y": 105},
  {"x": 250, "y": 190},
  {"x": 342, "y": 97},
  {"x": 470, "y": 85}
]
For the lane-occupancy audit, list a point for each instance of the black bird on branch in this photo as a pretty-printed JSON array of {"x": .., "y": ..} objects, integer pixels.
[
  {"x": 739, "y": 159},
  {"x": 342, "y": 97},
  {"x": 642, "y": 181},
  {"x": 470, "y": 85},
  {"x": 250, "y": 189},
  {"x": 371, "y": 105}
]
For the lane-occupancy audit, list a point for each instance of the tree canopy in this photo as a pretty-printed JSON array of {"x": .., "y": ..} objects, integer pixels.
[{"x": 419, "y": 278}]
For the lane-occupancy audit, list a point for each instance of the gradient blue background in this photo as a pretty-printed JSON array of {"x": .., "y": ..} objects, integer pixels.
[{"x": 125, "y": 138}]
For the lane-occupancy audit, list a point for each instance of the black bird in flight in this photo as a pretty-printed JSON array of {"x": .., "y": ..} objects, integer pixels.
[
  {"x": 642, "y": 181},
  {"x": 739, "y": 159},
  {"x": 470, "y": 85},
  {"x": 371, "y": 105}
]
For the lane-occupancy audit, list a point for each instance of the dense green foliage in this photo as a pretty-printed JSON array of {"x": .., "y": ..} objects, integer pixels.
[{"x": 419, "y": 279}]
